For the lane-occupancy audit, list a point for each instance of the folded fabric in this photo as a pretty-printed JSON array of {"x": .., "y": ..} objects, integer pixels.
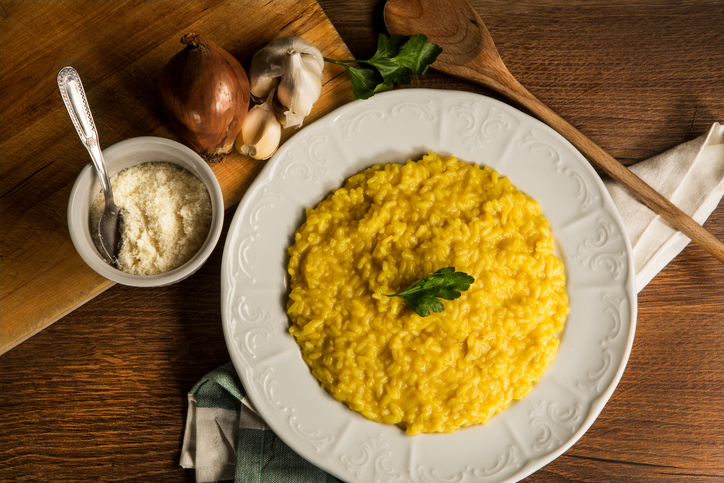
[
  {"x": 226, "y": 440},
  {"x": 690, "y": 175}
]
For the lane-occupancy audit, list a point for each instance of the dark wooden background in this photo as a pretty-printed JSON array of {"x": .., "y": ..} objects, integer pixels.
[{"x": 101, "y": 394}]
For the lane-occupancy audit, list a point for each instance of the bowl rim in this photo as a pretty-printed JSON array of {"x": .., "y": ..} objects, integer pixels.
[{"x": 119, "y": 156}]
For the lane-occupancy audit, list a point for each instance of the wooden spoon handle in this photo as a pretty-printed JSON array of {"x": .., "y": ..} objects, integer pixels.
[
  {"x": 469, "y": 53},
  {"x": 635, "y": 185}
]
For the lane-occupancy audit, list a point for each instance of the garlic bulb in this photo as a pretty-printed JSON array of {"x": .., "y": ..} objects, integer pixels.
[
  {"x": 261, "y": 131},
  {"x": 294, "y": 68}
]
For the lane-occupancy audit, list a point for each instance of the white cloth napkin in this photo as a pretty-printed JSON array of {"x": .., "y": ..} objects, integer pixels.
[{"x": 691, "y": 175}]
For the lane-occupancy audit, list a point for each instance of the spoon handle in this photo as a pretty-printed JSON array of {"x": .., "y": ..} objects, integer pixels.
[
  {"x": 469, "y": 53},
  {"x": 71, "y": 89},
  {"x": 635, "y": 185}
]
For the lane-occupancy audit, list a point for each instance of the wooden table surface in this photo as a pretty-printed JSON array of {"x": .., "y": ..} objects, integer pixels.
[{"x": 101, "y": 394}]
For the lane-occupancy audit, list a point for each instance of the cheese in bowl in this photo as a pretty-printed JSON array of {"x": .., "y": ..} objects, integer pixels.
[{"x": 386, "y": 228}]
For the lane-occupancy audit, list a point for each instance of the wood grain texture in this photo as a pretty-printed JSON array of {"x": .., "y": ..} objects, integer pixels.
[
  {"x": 101, "y": 394},
  {"x": 119, "y": 50},
  {"x": 469, "y": 52}
]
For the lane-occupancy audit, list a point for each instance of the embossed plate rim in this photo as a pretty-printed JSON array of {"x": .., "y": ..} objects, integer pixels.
[{"x": 555, "y": 161}]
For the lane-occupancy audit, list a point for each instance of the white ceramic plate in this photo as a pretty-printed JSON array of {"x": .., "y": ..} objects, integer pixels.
[{"x": 392, "y": 127}]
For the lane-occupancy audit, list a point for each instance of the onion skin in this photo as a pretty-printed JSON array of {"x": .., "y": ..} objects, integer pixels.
[{"x": 205, "y": 93}]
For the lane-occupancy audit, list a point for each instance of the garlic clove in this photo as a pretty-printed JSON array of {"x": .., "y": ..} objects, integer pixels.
[
  {"x": 261, "y": 131},
  {"x": 264, "y": 73},
  {"x": 262, "y": 87},
  {"x": 300, "y": 87}
]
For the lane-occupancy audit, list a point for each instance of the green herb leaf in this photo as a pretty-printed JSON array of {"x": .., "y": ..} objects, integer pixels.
[
  {"x": 366, "y": 82},
  {"x": 390, "y": 46},
  {"x": 417, "y": 54},
  {"x": 386, "y": 61},
  {"x": 396, "y": 59},
  {"x": 422, "y": 296}
]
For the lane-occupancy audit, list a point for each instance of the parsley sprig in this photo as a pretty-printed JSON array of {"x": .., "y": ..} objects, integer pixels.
[
  {"x": 396, "y": 59},
  {"x": 422, "y": 296}
]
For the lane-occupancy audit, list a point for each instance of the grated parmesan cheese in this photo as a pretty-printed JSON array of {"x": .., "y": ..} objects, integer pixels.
[{"x": 166, "y": 216}]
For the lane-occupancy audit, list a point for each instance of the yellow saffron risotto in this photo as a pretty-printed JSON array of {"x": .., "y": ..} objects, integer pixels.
[{"x": 391, "y": 225}]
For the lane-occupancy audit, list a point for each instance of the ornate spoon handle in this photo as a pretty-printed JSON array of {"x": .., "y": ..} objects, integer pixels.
[{"x": 71, "y": 89}]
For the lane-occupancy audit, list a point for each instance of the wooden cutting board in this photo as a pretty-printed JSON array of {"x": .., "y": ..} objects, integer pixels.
[{"x": 119, "y": 49}]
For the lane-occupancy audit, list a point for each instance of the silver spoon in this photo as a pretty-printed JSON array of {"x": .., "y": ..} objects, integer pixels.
[{"x": 71, "y": 89}]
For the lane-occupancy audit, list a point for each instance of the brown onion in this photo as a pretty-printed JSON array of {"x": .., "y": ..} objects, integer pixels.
[{"x": 205, "y": 93}]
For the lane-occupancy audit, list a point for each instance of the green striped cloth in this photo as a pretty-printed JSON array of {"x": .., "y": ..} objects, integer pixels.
[{"x": 226, "y": 440}]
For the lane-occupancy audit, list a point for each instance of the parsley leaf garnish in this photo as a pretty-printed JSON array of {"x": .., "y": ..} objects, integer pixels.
[
  {"x": 396, "y": 59},
  {"x": 422, "y": 296}
]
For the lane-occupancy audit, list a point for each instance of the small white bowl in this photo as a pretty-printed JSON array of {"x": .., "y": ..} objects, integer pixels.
[{"x": 119, "y": 157}]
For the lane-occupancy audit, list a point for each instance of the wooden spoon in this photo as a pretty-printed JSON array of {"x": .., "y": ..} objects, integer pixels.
[{"x": 469, "y": 53}]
